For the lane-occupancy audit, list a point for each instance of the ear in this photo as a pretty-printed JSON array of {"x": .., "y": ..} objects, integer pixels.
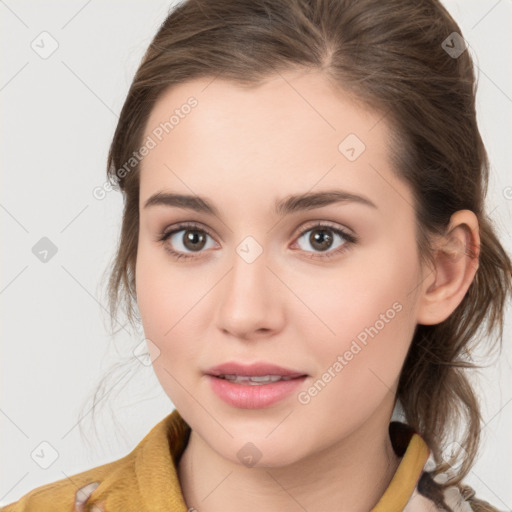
[{"x": 455, "y": 265}]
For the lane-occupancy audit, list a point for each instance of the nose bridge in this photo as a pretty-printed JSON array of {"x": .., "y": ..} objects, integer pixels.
[
  {"x": 248, "y": 280},
  {"x": 249, "y": 300}
]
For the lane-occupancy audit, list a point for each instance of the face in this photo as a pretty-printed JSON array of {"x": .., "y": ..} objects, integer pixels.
[{"x": 324, "y": 287}]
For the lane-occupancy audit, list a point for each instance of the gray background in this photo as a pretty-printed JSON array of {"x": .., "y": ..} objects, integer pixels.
[{"x": 59, "y": 114}]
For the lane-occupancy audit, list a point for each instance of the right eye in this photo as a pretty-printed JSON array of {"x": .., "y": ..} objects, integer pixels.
[{"x": 184, "y": 240}]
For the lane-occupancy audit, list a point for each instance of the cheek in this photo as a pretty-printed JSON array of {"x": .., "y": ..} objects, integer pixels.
[
  {"x": 368, "y": 312},
  {"x": 164, "y": 297},
  {"x": 358, "y": 370},
  {"x": 165, "y": 290},
  {"x": 175, "y": 308},
  {"x": 364, "y": 291}
]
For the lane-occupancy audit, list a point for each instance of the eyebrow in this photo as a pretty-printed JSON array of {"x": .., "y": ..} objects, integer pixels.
[{"x": 286, "y": 206}]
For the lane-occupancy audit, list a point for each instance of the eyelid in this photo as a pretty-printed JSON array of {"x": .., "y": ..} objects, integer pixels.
[
  {"x": 186, "y": 225},
  {"x": 328, "y": 224}
]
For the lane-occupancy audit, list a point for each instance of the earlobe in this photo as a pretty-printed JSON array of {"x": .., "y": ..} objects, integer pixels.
[{"x": 455, "y": 265}]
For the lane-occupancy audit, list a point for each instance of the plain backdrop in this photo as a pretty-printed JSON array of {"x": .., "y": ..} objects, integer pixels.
[{"x": 65, "y": 71}]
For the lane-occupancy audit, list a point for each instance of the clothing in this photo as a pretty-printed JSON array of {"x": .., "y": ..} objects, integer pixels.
[{"x": 146, "y": 480}]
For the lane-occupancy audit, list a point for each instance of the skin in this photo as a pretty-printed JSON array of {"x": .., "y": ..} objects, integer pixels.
[{"x": 242, "y": 150}]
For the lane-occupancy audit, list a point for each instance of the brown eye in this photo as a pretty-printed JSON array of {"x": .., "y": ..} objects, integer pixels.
[
  {"x": 322, "y": 239},
  {"x": 185, "y": 241},
  {"x": 193, "y": 239}
]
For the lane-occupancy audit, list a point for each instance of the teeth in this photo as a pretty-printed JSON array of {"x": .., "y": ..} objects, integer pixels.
[{"x": 253, "y": 380}]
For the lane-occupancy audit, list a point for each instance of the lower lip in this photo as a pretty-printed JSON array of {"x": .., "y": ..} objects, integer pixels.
[{"x": 247, "y": 396}]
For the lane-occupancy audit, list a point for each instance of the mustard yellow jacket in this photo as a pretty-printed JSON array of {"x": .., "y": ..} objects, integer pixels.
[{"x": 146, "y": 479}]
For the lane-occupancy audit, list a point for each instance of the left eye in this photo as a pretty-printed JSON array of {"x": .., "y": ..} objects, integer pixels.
[{"x": 321, "y": 237}]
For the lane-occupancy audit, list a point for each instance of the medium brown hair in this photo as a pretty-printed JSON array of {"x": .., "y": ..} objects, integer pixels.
[{"x": 390, "y": 56}]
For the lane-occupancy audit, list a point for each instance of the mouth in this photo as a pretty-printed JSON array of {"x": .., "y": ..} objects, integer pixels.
[
  {"x": 255, "y": 380},
  {"x": 254, "y": 392},
  {"x": 254, "y": 386}
]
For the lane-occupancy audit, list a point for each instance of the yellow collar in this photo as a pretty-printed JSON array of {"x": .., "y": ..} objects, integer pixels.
[{"x": 147, "y": 478}]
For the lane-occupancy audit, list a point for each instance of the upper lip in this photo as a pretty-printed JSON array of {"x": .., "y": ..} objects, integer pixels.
[{"x": 252, "y": 370}]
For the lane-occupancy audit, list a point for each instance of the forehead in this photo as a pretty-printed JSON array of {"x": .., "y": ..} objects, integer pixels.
[
  {"x": 290, "y": 132},
  {"x": 296, "y": 105}
]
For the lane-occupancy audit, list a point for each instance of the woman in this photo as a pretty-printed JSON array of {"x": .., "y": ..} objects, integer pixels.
[{"x": 305, "y": 240}]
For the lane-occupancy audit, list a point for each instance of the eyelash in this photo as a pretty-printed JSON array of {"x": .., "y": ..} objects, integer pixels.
[{"x": 349, "y": 239}]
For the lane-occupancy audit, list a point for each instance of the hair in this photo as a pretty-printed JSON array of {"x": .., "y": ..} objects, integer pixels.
[{"x": 390, "y": 57}]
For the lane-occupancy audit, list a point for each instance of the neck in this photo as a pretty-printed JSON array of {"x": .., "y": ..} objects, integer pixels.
[{"x": 349, "y": 476}]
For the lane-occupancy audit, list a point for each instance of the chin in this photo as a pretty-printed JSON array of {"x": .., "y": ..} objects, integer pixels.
[{"x": 260, "y": 453}]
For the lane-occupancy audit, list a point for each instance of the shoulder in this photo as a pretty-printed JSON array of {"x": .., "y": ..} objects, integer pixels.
[
  {"x": 60, "y": 496},
  {"x": 431, "y": 492},
  {"x": 145, "y": 479}
]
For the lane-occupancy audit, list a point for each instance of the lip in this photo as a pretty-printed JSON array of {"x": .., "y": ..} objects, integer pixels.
[
  {"x": 246, "y": 396},
  {"x": 252, "y": 370}
]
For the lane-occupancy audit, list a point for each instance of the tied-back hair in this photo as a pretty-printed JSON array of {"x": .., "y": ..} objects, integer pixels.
[{"x": 389, "y": 56}]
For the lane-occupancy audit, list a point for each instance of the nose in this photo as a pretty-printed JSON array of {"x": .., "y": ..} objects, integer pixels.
[{"x": 251, "y": 299}]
